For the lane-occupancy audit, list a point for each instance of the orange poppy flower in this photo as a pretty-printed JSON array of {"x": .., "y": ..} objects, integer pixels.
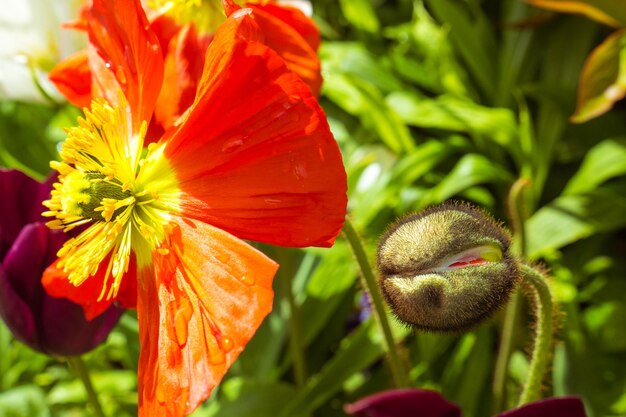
[{"x": 252, "y": 158}]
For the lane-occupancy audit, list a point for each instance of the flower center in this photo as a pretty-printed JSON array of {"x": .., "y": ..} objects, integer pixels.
[
  {"x": 206, "y": 15},
  {"x": 125, "y": 193}
]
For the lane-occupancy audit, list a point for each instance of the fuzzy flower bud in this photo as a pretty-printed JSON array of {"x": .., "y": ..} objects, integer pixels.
[{"x": 446, "y": 268}]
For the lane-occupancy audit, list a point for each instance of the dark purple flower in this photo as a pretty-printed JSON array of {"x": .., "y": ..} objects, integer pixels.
[
  {"x": 407, "y": 402},
  {"x": 550, "y": 407},
  {"x": 412, "y": 402},
  {"x": 50, "y": 325}
]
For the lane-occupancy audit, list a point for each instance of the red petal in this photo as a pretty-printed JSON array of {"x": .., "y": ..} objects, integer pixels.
[
  {"x": 208, "y": 297},
  {"x": 183, "y": 68},
  {"x": 255, "y": 155},
  {"x": 125, "y": 53},
  {"x": 57, "y": 285},
  {"x": 230, "y": 7},
  {"x": 72, "y": 77},
  {"x": 295, "y": 18},
  {"x": 283, "y": 38}
]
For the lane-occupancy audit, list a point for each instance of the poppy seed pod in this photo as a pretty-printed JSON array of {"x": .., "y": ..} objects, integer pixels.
[{"x": 446, "y": 268}]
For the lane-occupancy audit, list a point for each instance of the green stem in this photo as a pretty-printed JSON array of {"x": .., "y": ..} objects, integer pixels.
[
  {"x": 504, "y": 352},
  {"x": 296, "y": 345},
  {"x": 541, "y": 355},
  {"x": 82, "y": 372},
  {"x": 369, "y": 283},
  {"x": 517, "y": 214}
]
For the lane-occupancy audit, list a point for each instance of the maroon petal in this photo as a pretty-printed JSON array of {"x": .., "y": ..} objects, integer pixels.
[
  {"x": 551, "y": 407},
  {"x": 22, "y": 197},
  {"x": 50, "y": 325},
  {"x": 16, "y": 313},
  {"x": 403, "y": 403}
]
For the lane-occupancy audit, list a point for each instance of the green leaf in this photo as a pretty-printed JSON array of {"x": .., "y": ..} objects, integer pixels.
[
  {"x": 609, "y": 12},
  {"x": 473, "y": 39},
  {"x": 469, "y": 370},
  {"x": 424, "y": 55},
  {"x": 353, "y": 58},
  {"x": 603, "y": 79},
  {"x": 573, "y": 217},
  {"x": 604, "y": 161},
  {"x": 24, "y": 138},
  {"x": 242, "y": 397},
  {"x": 606, "y": 325},
  {"x": 453, "y": 113},
  {"x": 360, "y": 14},
  {"x": 109, "y": 384},
  {"x": 356, "y": 352},
  {"x": 471, "y": 170},
  {"x": 23, "y": 401},
  {"x": 364, "y": 100}
]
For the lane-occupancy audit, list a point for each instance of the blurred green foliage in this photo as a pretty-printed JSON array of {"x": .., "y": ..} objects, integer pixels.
[{"x": 429, "y": 100}]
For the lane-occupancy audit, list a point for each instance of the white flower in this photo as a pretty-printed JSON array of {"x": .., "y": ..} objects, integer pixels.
[
  {"x": 32, "y": 41},
  {"x": 304, "y": 5}
]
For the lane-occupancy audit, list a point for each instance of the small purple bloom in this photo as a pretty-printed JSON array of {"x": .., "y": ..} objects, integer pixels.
[
  {"x": 27, "y": 247},
  {"x": 412, "y": 402}
]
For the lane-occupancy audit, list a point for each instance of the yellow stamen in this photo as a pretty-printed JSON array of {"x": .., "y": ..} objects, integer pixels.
[{"x": 104, "y": 183}]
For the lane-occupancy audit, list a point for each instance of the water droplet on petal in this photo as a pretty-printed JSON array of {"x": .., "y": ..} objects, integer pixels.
[
  {"x": 300, "y": 171},
  {"x": 226, "y": 344},
  {"x": 179, "y": 313},
  {"x": 181, "y": 329},
  {"x": 247, "y": 280},
  {"x": 232, "y": 145},
  {"x": 160, "y": 393},
  {"x": 273, "y": 201}
]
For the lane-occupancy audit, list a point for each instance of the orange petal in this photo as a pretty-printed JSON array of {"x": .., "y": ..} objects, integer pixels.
[
  {"x": 124, "y": 53},
  {"x": 255, "y": 155},
  {"x": 283, "y": 38},
  {"x": 86, "y": 295},
  {"x": 183, "y": 68},
  {"x": 72, "y": 77},
  {"x": 198, "y": 307}
]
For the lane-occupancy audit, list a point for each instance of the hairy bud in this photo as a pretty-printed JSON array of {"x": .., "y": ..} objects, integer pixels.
[{"x": 446, "y": 268}]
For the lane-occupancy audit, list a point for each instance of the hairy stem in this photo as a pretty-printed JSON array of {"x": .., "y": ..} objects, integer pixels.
[
  {"x": 82, "y": 372},
  {"x": 398, "y": 371},
  {"x": 517, "y": 215},
  {"x": 541, "y": 354}
]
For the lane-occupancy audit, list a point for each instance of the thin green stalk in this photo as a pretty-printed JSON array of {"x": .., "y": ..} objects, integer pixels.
[
  {"x": 504, "y": 352},
  {"x": 296, "y": 345},
  {"x": 541, "y": 355},
  {"x": 369, "y": 283},
  {"x": 518, "y": 216},
  {"x": 517, "y": 212},
  {"x": 82, "y": 372}
]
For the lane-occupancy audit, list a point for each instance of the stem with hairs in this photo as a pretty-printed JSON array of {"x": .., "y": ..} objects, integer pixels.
[
  {"x": 518, "y": 216},
  {"x": 541, "y": 354}
]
